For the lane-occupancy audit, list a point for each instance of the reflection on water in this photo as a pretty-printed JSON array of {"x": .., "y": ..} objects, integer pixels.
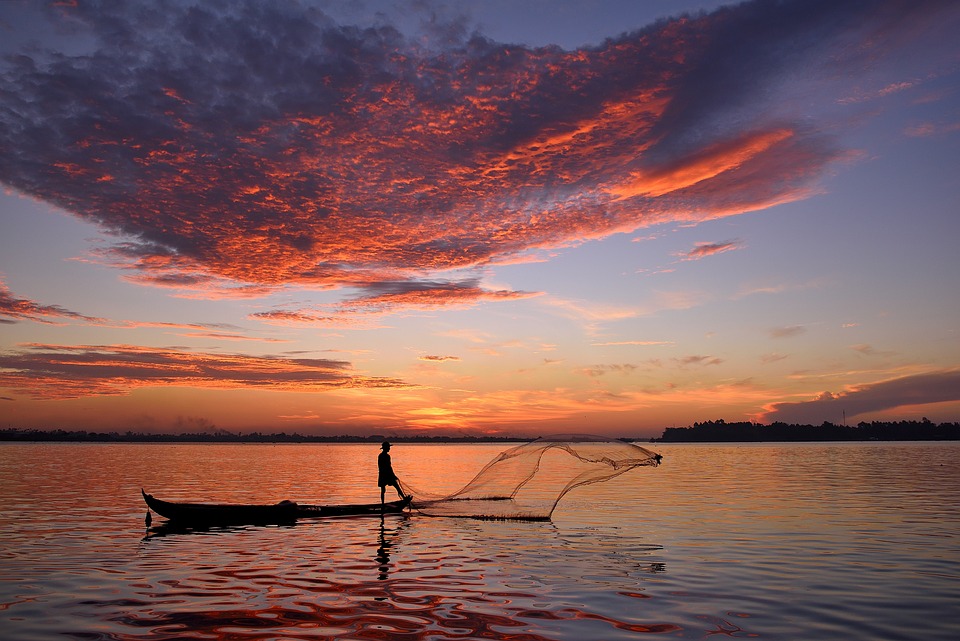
[
  {"x": 383, "y": 551},
  {"x": 778, "y": 542},
  {"x": 364, "y": 577}
]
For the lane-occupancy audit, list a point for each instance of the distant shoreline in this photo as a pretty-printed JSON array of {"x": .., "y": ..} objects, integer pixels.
[
  {"x": 707, "y": 432},
  {"x": 745, "y": 432},
  {"x": 61, "y": 436}
]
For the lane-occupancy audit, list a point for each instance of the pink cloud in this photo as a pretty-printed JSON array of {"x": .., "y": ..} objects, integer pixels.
[{"x": 703, "y": 250}]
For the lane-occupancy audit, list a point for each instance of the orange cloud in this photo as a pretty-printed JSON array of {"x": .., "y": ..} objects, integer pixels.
[
  {"x": 63, "y": 371},
  {"x": 706, "y": 164}
]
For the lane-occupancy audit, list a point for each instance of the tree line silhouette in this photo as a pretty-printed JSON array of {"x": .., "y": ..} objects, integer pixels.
[
  {"x": 223, "y": 436},
  {"x": 720, "y": 431}
]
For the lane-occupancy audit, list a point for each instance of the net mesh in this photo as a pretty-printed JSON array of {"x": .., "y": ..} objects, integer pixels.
[{"x": 526, "y": 482}]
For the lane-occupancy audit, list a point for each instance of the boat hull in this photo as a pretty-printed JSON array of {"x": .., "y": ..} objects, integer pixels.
[{"x": 285, "y": 512}]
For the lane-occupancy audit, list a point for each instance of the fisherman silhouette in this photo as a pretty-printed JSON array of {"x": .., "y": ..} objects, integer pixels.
[{"x": 387, "y": 477}]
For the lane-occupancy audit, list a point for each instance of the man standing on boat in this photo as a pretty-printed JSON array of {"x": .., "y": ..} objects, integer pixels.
[{"x": 387, "y": 477}]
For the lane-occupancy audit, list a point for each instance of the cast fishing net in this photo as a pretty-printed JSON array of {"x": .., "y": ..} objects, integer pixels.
[{"x": 526, "y": 482}]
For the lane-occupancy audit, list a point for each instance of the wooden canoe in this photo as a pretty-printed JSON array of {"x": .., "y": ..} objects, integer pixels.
[{"x": 269, "y": 514}]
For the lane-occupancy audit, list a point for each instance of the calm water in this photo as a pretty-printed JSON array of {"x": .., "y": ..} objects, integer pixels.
[{"x": 796, "y": 541}]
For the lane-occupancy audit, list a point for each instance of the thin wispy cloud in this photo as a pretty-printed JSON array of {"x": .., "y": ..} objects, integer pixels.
[
  {"x": 788, "y": 331},
  {"x": 870, "y": 350},
  {"x": 698, "y": 360},
  {"x": 13, "y": 309},
  {"x": 231, "y": 337},
  {"x": 702, "y": 250},
  {"x": 753, "y": 289},
  {"x": 286, "y": 149},
  {"x": 592, "y": 316},
  {"x": 615, "y": 368},
  {"x": 631, "y": 343},
  {"x": 475, "y": 336},
  {"x": 772, "y": 358},
  {"x": 589, "y": 313},
  {"x": 927, "y": 129},
  {"x": 873, "y": 94},
  {"x": 385, "y": 298}
]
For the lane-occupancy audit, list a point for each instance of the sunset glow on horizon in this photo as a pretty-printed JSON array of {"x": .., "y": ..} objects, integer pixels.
[{"x": 478, "y": 218}]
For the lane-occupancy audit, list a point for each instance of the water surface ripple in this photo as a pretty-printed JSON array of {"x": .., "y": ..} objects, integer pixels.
[{"x": 773, "y": 541}]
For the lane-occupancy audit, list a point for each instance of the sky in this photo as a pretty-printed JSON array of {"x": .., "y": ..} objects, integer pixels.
[{"x": 463, "y": 218}]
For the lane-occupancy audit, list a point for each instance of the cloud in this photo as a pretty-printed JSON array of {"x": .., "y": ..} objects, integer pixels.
[
  {"x": 231, "y": 337},
  {"x": 309, "y": 416},
  {"x": 704, "y": 165},
  {"x": 64, "y": 371},
  {"x": 626, "y": 343},
  {"x": 438, "y": 359},
  {"x": 869, "y": 350},
  {"x": 703, "y": 250},
  {"x": 697, "y": 359},
  {"x": 235, "y": 148},
  {"x": 917, "y": 389},
  {"x": 599, "y": 370},
  {"x": 13, "y": 309},
  {"x": 592, "y": 315},
  {"x": 882, "y": 92},
  {"x": 787, "y": 332},
  {"x": 380, "y": 299},
  {"x": 927, "y": 129},
  {"x": 470, "y": 335},
  {"x": 589, "y": 315},
  {"x": 772, "y": 357}
]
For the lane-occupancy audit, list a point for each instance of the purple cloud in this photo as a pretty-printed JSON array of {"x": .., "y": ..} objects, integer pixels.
[
  {"x": 13, "y": 309},
  {"x": 72, "y": 371},
  {"x": 702, "y": 250},
  {"x": 918, "y": 389}
]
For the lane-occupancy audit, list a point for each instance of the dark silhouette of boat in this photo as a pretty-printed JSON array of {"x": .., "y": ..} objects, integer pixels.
[{"x": 284, "y": 512}]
